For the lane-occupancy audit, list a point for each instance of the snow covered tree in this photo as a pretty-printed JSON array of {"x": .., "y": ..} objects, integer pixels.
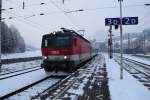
[{"x": 11, "y": 40}]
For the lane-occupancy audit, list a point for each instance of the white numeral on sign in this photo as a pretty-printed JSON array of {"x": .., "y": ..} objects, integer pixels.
[
  {"x": 109, "y": 21},
  {"x": 115, "y": 22},
  {"x": 133, "y": 21},
  {"x": 127, "y": 21}
]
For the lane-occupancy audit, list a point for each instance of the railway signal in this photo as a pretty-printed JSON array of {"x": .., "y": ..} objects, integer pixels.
[
  {"x": 116, "y": 27},
  {"x": 63, "y": 1},
  {"x": 110, "y": 42},
  {"x": 23, "y": 5}
]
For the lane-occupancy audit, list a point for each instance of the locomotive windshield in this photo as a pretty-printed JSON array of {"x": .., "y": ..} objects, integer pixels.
[{"x": 57, "y": 42}]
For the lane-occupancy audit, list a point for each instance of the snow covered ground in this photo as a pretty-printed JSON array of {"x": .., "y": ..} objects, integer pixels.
[
  {"x": 140, "y": 59},
  {"x": 89, "y": 83},
  {"x": 22, "y": 55},
  {"x": 14, "y": 83},
  {"x": 126, "y": 89},
  {"x": 7, "y": 68}
]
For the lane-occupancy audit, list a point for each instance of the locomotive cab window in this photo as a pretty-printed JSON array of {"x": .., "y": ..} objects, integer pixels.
[
  {"x": 57, "y": 42},
  {"x": 46, "y": 43},
  {"x": 63, "y": 41}
]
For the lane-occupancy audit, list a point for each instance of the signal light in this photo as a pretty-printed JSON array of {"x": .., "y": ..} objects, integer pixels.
[
  {"x": 23, "y": 5},
  {"x": 116, "y": 27},
  {"x": 41, "y": 14}
]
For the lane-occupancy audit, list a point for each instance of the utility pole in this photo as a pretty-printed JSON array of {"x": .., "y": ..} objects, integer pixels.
[
  {"x": 0, "y": 31},
  {"x": 121, "y": 41}
]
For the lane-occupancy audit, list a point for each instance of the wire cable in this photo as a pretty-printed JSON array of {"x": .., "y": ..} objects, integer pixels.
[
  {"x": 33, "y": 24},
  {"x": 64, "y": 14}
]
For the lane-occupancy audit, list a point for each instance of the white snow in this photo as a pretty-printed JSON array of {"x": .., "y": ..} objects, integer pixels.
[
  {"x": 22, "y": 55},
  {"x": 17, "y": 82},
  {"x": 137, "y": 59},
  {"x": 6, "y": 68},
  {"x": 19, "y": 72},
  {"x": 126, "y": 89},
  {"x": 14, "y": 83},
  {"x": 35, "y": 90}
]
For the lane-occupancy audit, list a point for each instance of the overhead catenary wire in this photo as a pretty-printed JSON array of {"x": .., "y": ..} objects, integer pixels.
[
  {"x": 31, "y": 23},
  {"x": 63, "y": 12},
  {"x": 142, "y": 20},
  {"x": 26, "y": 17},
  {"x": 43, "y": 4},
  {"x": 86, "y": 9},
  {"x": 92, "y": 9},
  {"x": 19, "y": 7}
]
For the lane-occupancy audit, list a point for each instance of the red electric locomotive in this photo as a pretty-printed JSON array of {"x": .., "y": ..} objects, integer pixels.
[{"x": 64, "y": 50}]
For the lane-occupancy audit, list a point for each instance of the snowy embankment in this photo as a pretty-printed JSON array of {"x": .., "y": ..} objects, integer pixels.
[
  {"x": 126, "y": 89},
  {"x": 26, "y": 54}
]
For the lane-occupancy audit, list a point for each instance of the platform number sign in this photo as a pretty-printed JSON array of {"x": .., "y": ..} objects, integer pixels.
[
  {"x": 112, "y": 21},
  {"x": 125, "y": 21},
  {"x": 130, "y": 20}
]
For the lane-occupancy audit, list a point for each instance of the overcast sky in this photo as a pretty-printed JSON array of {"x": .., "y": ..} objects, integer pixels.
[{"x": 32, "y": 25}]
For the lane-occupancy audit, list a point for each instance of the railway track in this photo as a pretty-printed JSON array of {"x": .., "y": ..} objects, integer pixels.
[
  {"x": 138, "y": 70},
  {"x": 87, "y": 83},
  {"x": 143, "y": 56},
  {"x": 51, "y": 82},
  {"x": 39, "y": 87},
  {"x": 61, "y": 83},
  {"x": 8, "y": 68},
  {"x": 33, "y": 88},
  {"x": 11, "y": 70},
  {"x": 19, "y": 72},
  {"x": 16, "y": 60}
]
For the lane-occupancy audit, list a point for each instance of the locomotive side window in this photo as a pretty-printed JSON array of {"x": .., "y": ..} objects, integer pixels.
[{"x": 75, "y": 41}]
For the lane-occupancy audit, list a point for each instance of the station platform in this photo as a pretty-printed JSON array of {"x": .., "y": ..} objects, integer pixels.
[{"x": 127, "y": 88}]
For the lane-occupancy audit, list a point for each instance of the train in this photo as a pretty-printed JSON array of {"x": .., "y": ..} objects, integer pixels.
[{"x": 65, "y": 50}]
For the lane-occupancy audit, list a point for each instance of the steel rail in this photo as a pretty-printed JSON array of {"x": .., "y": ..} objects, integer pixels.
[
  {"x": 21, "y": 72},
  {"x": 30, "y": 86}
]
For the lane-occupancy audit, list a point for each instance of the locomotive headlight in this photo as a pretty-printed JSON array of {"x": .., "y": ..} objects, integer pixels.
[
  {"x": 45, "y": 57},
  {"x": 65, "y": 57}
]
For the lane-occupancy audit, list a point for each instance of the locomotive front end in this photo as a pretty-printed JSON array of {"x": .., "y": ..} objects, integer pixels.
[{"x": 56, "y": 51}]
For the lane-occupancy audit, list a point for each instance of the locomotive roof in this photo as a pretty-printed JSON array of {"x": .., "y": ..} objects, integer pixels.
[{"x": 66, "y": 31}]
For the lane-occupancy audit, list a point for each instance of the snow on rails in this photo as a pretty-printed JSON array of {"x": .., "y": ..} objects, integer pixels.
[
  {"x": 34, "y": 85},
  {"x": 88, "y": 82},
  {"x": 139, "y": 70}
]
